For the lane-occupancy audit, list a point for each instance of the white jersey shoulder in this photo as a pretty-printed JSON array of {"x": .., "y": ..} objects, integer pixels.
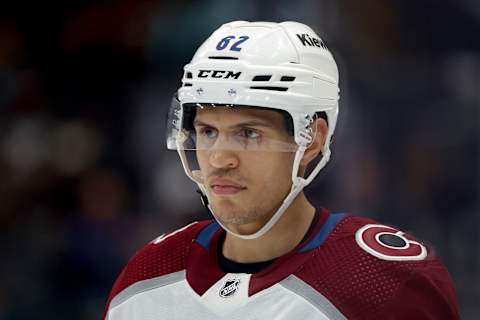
[{"x": 165, "y": 236}]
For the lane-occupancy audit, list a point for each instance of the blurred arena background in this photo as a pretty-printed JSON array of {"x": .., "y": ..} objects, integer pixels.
[{"x": 85, "y": 178}]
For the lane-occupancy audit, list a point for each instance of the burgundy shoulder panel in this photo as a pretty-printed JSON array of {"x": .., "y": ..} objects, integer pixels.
[
  {"x": 164, "y": 255},
  {"x": 426, "y": 294},
  {"x": 364, "y": 286}
]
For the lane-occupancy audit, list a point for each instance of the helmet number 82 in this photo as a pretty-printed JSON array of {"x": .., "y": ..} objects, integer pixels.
[{"x": 235, "y": 46}]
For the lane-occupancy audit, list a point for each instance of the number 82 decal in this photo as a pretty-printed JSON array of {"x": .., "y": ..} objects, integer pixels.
[{"x": 388, "y": 243}]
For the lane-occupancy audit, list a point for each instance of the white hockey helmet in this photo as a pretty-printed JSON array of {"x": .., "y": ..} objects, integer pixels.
[{"x": 284, "y": 66}]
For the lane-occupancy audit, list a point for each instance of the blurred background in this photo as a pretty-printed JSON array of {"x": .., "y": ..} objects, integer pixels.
[{"x": 85, "y": 178}]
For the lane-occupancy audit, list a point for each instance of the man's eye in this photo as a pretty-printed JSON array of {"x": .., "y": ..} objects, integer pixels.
[
  {"x": 250, "y": 133},
  {"x": 209, "y": 133}
]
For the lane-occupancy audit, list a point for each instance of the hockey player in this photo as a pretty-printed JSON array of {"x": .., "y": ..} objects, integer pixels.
[{"x": 257, "y": 109}]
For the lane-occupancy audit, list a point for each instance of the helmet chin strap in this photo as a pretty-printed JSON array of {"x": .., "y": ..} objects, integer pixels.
[{"x": 298, "y": 183}]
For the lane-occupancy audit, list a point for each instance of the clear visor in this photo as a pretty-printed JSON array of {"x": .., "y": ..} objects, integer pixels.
[{"x": 226, "y": 127}]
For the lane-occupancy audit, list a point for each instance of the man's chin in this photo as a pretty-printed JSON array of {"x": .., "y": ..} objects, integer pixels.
[
  {"x": 224, "y": 208},
  {"x": 233, "y": 221},
  {"x": 230, "y": 214}
]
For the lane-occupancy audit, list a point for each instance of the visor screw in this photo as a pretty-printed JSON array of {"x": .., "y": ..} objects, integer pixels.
[
  {"x": 232, "y": 92},
  {"x": 199, "y": 91}
]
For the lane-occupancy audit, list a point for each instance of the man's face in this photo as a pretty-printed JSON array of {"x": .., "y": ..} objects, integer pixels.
[{"x": 245, "y": 184}]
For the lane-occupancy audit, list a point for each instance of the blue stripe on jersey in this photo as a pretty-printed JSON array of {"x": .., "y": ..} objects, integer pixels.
[
  {"x": 326, "y": 229},
  {"x": 206, "y": 235}
]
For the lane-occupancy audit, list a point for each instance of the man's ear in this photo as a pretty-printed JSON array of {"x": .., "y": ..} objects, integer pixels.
[{"x": 320, "y": 131}]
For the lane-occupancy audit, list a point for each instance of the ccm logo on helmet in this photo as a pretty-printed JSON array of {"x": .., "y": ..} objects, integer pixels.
[
  {"x": 388, "y": 243},
  {"x": 307, "y": 39},
  {"x": 224, "y": 74}
]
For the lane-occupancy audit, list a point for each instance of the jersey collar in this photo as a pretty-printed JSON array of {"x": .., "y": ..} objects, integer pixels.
[{"x": 203, "y": 270}]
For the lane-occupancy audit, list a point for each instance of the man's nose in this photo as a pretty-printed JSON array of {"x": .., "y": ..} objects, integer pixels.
[{"x": 223, "y": 159}]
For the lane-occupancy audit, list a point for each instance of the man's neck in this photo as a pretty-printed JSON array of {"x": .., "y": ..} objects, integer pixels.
[{"x": 284, "y": 236}]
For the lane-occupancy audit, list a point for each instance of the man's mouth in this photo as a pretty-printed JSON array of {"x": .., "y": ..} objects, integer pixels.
[{"x": 222, "y": 186}]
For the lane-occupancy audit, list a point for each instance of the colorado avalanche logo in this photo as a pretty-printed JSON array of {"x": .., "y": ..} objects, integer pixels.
[
  {"x": 229, "y": 288},
  {"x": 388, "y": 243}
]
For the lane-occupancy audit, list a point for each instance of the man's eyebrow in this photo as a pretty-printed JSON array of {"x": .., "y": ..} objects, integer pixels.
[{"x": 247, "y": 123}]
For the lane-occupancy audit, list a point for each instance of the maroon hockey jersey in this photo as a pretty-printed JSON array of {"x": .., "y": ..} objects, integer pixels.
[{"x": 347, "y": 268}]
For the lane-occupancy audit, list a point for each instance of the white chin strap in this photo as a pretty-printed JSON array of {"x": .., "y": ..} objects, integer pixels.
[{"x": 298, "y": 183}]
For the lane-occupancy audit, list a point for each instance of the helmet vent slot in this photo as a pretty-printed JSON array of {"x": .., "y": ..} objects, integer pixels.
[
  {"x": 188, "y": 75},
  {"x": 187, "y": 84},
  {"x": 270, "y": 88},
  {"x": 262, "y": 78},
  {"x": 223, "y": 58},
  {"x": 287, "y": 78}
]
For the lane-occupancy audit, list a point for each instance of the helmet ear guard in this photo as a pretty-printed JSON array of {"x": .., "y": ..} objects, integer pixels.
[
  {"x": 314, "y": 151},
  {"x": 237, "y": 67}
]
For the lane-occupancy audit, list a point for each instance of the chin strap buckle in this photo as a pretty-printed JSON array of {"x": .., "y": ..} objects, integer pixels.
[{"x": 203, "y": 198}]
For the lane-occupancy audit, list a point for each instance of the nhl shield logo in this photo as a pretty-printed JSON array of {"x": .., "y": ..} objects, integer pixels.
[{"x": 229, "y": 288}]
